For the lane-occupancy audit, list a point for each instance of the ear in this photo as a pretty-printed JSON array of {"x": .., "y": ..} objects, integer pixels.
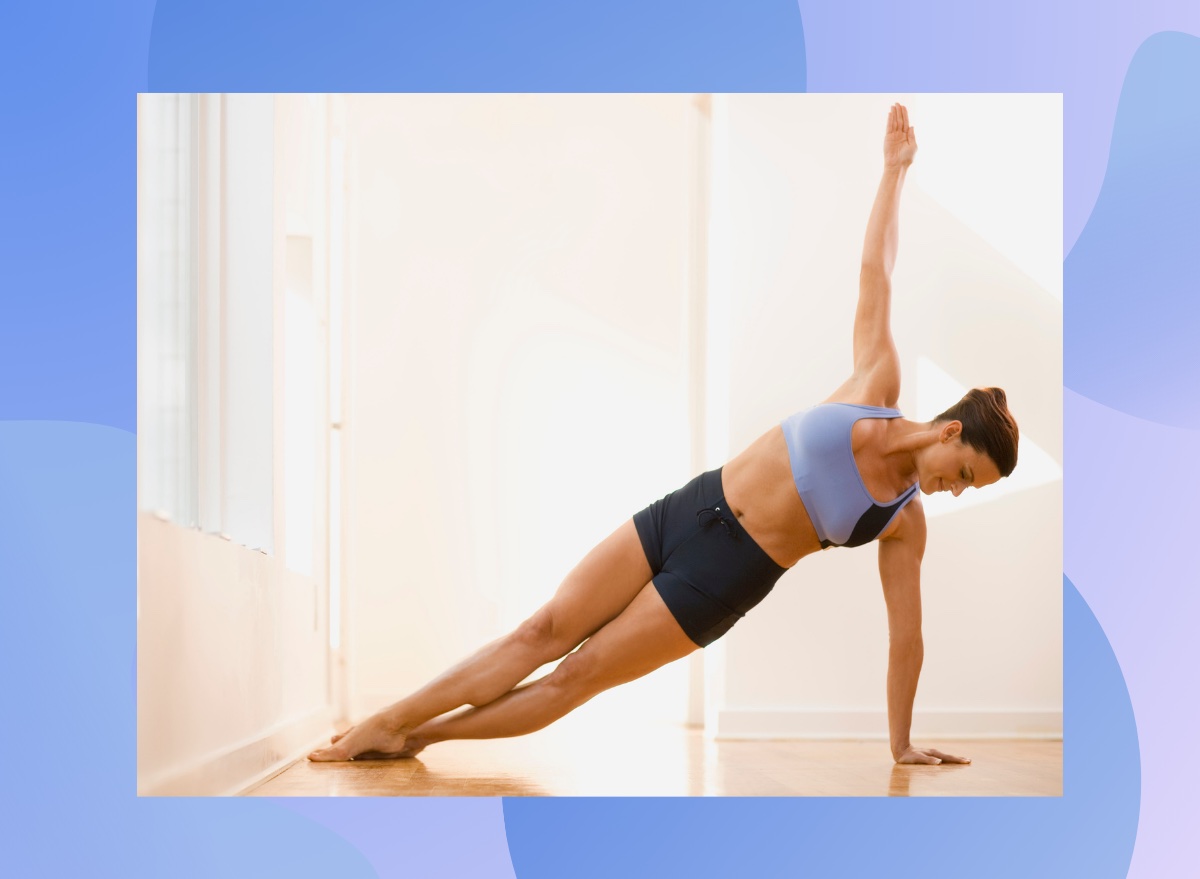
[{"x": 950, "y": 430}]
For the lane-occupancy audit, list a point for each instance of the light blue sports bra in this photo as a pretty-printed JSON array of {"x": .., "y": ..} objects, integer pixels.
[{"x": 822, "y": 458}]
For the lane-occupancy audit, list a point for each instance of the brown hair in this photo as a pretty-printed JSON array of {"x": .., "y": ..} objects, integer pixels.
[{"x": 988, "y": 426}]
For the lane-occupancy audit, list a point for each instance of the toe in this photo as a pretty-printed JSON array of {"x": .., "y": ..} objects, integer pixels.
[{"x": 328, "y": 755}]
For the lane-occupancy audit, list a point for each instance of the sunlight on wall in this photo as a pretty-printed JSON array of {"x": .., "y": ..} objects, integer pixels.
[
  {"x": 300, "y": 424},
  {"x": 335, "y": 539},
  {"x": 720, "y": 283},
  {"x": 949, "y": 171},
  {"x": 518, "y": 384}
]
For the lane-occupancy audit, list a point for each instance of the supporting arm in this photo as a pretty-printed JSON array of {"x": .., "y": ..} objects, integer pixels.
[{"x": 900, "y": 557}]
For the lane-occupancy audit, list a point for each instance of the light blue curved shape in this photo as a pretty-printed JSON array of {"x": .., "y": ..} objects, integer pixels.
[
  {"x": 1141, "y": 584},
  {"x": 1132, "y": 309},
  {"x": 1089, "y": 831},
  {"x": 431, "y": 837},
  {"x": 67, "y": 636}
]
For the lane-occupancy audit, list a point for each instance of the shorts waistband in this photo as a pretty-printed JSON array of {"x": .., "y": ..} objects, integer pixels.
[{"x": 718, "y": 511}]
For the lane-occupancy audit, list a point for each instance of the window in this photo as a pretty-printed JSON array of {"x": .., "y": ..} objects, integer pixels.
[
  {"x": 168, "y": 292},
  {"x": 206, "y": 312}
]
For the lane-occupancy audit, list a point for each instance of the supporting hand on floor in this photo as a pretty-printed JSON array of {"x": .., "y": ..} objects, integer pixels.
[{"x": 929, "y": 755}]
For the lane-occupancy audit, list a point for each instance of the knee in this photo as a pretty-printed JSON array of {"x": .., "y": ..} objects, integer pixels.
[
  {"x": 542, "y": 637},
  {"x": 575, "y": 676}
]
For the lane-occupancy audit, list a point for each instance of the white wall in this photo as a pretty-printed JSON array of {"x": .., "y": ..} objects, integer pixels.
[
  {"x": 232, "y": 666},
  {"x": 977, "y": 291},
  {"x": 519, "y": 362}
]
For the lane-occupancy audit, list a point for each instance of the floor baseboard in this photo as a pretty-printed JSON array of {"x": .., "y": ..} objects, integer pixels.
[{"x": 241, "y": 767}]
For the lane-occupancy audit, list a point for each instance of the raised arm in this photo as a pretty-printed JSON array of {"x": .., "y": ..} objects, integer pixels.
[
  {"x": 900, "y": 572},
  {"x": 876, "y": 362},
  {"x": 899, "y": 149}
]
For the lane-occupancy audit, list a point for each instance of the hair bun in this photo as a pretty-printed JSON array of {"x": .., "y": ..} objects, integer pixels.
[{"x": 987, "y": 425}]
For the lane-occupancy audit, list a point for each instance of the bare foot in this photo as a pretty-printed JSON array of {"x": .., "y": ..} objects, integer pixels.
[
  {"x": 413, "y": 746},
  {"x": 378, "y": 734}
]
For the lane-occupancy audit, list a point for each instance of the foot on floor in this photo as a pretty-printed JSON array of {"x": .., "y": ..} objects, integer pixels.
[{"x": 377, "y": 735}]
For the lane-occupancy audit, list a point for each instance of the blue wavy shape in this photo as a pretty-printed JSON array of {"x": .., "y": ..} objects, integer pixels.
[
  {"x": 517, "y": 46},
  {"x": 1089, "y": 831},
  {"x": 68, "y": 209},
  {"x": 1132, "y": 313}
]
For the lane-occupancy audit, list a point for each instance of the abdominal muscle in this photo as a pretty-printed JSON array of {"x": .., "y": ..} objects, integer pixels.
[{"x": 760, "y": 491}]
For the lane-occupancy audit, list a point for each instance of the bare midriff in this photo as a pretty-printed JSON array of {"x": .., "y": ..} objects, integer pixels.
[{"x": 760, "y": 491}]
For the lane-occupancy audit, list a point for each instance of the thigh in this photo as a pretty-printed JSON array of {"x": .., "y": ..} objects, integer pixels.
[
  {"x": 599, "y": 588},
  {"x": 643, "y": 637}
]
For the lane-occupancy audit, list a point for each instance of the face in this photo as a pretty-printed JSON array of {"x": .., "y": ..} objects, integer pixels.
[{"x": 952, "y": 465}]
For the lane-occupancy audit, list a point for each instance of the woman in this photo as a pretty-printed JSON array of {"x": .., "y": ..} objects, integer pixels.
[{"x": 680, "y": 573}]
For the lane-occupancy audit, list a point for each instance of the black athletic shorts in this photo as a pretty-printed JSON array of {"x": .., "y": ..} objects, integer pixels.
[{"x": 707, "y": 569}]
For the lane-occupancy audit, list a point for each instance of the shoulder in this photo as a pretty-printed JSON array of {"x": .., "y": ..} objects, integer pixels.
[
  {"x": 908, "y": 528},
  {"x": 866, "y": 390}
]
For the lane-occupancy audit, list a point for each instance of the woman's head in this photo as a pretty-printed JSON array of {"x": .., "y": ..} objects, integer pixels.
[{"x": 976, "y": 443}]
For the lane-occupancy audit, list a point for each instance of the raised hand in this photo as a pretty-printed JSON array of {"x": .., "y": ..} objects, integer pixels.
[
  {"x": 900, "y": 142},
  {"x": 929, "y": 755}
]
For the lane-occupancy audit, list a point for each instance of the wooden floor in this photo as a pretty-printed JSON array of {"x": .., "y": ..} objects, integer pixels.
[{"x": 576, "y": 760}]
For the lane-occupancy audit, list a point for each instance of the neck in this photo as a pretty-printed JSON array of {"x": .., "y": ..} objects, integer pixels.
[{"x": 906, "y": 439}]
